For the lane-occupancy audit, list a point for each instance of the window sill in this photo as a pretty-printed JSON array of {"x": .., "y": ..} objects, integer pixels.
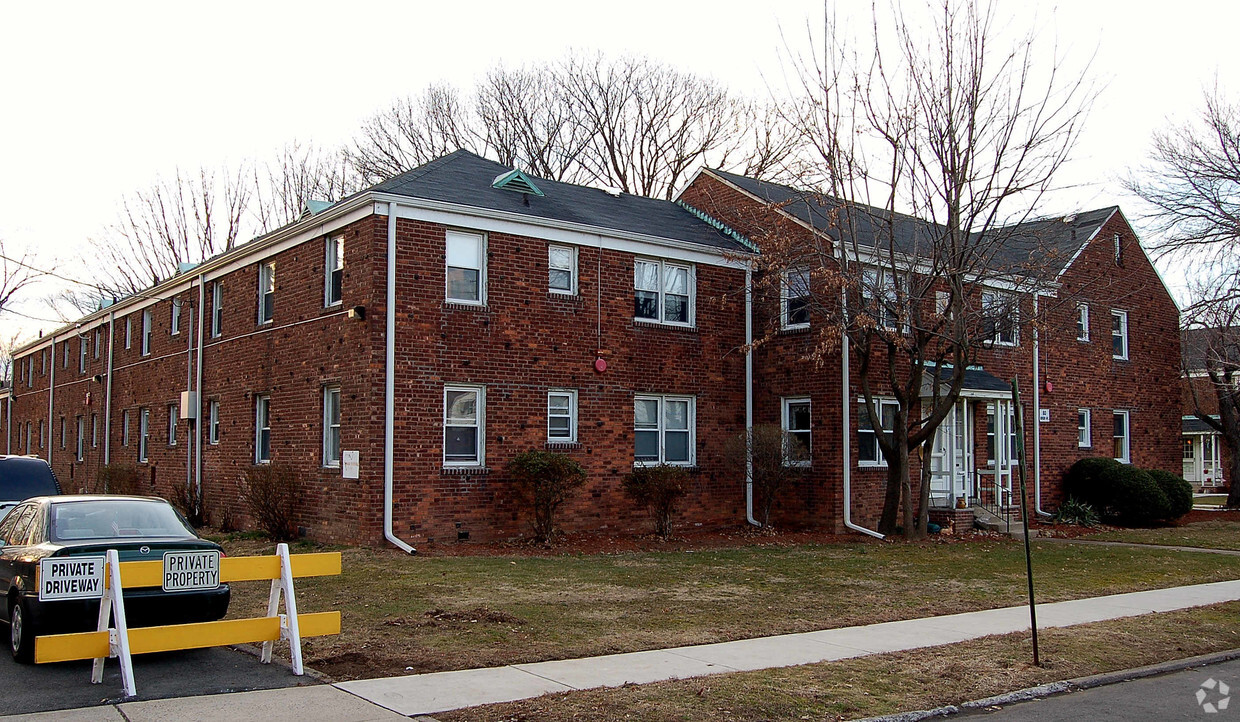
[
  {"x": 562, "y": 445},
  {"x": 651, "y": 464},
  {"x": 464, "y": 471},
  {"x": 649, "y": 323},
  {"x": 793, "y": 330},
  {"x": 450, "y": 305},
  {"x": 870, "y": 465},
  {"x": 563, "y": 296}
]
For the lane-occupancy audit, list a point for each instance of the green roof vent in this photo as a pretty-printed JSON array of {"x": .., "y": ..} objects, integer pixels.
[{"x": 515, "y": 180}]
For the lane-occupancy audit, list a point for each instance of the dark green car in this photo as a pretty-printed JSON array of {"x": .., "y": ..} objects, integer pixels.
[{"x": 83, "y": 528}]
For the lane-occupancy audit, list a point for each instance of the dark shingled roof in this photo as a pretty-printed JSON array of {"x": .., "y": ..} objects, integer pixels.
[
  {"x": 1199, "y": 344},
  {"x": 975, "y": 379},
  {"x": 1039, "y": 246},
  {"x": 464, "y": 178},
  {"x": 1194, "y": 425}
]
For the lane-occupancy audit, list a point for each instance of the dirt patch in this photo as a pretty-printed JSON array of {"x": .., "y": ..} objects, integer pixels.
[
  {"x": 589, "y": 544},
  {"x": 438, "y": 617}
]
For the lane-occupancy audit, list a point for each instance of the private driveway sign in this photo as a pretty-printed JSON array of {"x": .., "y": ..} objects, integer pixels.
[{"x": 71, "y": 578}]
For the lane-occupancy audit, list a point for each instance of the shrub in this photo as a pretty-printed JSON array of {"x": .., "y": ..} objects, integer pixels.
[
  {"x": 1075, "y": 511},
  {"x": 270, "y": 491},
  {"x": 1093, "y": 481},
  {"x": 544, "y": 481},
  {"x": 658, "y": 488},
  {"x": 188, "y": 501},
  {"x": 118, "y": 479},
  {"x": 1179, "y": 492},
  {"x": 771, "y": 473},
  {"x": 1117, "y": 491},
  {"x": 1138, "y": 498}
]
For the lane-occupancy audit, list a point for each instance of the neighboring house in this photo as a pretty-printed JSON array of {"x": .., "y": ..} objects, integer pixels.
[
  {"x": 1206, "y": 457},
  {"x": 1100, "y": 368},
  {"x": 400, "y": 346}
]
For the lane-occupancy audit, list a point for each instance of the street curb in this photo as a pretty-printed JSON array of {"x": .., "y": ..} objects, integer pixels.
[{"x": 1051, "y": 689}]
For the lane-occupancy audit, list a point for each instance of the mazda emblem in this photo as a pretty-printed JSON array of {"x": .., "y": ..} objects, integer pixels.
[{"x": 144, "y": 549}]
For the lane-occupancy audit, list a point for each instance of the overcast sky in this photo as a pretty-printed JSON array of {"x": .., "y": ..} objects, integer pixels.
[{"x": 101, "y": 98}]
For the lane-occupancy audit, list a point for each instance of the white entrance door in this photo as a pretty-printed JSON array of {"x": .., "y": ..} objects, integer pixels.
[
  {"x": 951, "y": 458},
  {"x": 1003, "y": 449}
]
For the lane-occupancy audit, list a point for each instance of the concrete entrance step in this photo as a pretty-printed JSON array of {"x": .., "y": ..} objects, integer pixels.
[{"x": 985, "y": 519}]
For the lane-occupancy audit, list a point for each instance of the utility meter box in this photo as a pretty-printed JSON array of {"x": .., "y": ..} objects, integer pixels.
[{"x": 189, "y": 405}]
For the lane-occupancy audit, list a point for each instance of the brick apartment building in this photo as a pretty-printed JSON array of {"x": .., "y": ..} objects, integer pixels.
[
  {"x": 1207, "y": 459},
  {"x": 400, "y": 346}
]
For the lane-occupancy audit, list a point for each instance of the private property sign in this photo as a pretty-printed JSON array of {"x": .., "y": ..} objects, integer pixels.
[
  {"x": 185, "y": 571},
  {"x": 70, "y": 578}
]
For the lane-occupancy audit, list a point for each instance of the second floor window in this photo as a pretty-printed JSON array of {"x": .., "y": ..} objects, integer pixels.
[
  {"x": 1082, "y": 322},
  {"x": 1119, "y": 335},
  {"x": 466, "y": 267},
  {"x": 128, "y": 332},
  {"x": 174, "y": 324},
  {"x": 172, "y": 425},
  {"x": 663, "y": 292},
  {"x": 999, "y": 318},
  {"x": 144, "y": 432},
  {"x": 794, "y": 299},
  {"x": 213, "y": 422},
  {"x": 561, "y": 269},
  {"x": 334, "y": 274},
  {"x": 83, "y": 344},
  {"x": 146, "y": 332},
  {"x": 266, "y": 292},
  {"x": 217, "y": 309}
]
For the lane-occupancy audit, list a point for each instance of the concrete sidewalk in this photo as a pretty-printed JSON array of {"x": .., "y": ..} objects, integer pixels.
[{"x": 399, "y": 697}]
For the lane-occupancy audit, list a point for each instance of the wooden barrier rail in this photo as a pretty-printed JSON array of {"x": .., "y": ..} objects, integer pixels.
[{"x": 113, "y": 638}]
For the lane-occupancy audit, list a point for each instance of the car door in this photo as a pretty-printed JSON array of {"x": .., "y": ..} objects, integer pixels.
[{"x": 14, "y": 535}]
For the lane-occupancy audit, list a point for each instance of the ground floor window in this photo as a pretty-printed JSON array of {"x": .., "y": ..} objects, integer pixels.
[
  {"x": 1084, "y": 438},
  {"x": 562, "y": 416},
  {"x": 663, "y": 430},
  {"x": 262, "y": 430},
  {"x": 331, "y": 426},
  {"x": 868, "y": 451},
  {"x": 796, "y": 425},
  {"x": 464, "y": 425},
  {"x": 1121, "y": 437}
]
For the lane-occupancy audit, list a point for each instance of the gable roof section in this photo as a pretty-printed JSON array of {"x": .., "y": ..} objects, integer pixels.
[
  {"x": 1201, "y": 345},
  {"x": 465, "y": 179},
  {"x": 1050, "y": 244}
]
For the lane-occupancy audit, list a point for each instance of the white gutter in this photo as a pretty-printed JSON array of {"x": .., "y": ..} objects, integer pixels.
[
  {"x": 847, "y": 445},
  {"x": 749, "y": 396},
  {"x": 1037, "y": 417},
  {"x": 107, "y": 393},
  {"x": 389, "y": 386},
  {"x": 202, "y": 305}
]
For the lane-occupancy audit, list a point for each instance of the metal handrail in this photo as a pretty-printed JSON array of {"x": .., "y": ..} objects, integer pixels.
[{"x": 994, "y": 504}]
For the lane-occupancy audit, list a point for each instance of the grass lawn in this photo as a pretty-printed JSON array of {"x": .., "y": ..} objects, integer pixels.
[
  {"x": 889, "y": 683},
  {"x": 403, "y": 614},
  {"x": 1222, "y": 534}
]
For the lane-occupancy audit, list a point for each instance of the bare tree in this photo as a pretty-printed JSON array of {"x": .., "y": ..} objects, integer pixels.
[
  {"x": 1212, "y": 347},
  {"x": 413, "y": 131},
  {"x": 17, "y": 272},
  {"x": 937, "y": 121},
  {"x": 300, "y": 173},
  {"x": 6, "y": 358}
]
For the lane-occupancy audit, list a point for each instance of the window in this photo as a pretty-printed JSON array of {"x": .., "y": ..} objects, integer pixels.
[
  {"x": 1188, "y": 449},
  {"x": 1119, "y": 250},
  {"x": 333, "y": 281},
  {"x": 869, "y": 453},
  {"x": 991, "y": 450},
  {"x": 43, "y": 363},
  {"x": 466, "y": 276},
  {"x": 262, "y": 429},
  {"x": 29, "y": 370},
  {"x": 1119, "y": 335},
  {"x": 146, "y": 332},
  {"x": 62, "y": 432},
  {"x": 266, "y": 292},
  {"x": 1000, "y": 317},
  {"x": 128, "y": 332},
  {"x": 562, "y": 417},
  {"x": 663, "y": 430},
  {"x": 80, "y": 445},
  {"x": 172, "y": 424},
  {"x": 880, "y": 296},
  {"x": 213, "y": 422},
  {"x": 94, "y": 431},
  {"x": 83, "y": 345},
  {"x": 1084, "y": 437},
  {"x": 144, "y": 432},
  {"x": 464, "y": 425},
  {"x": 794, "y": 299},
  {"x": 174, "y": 324},
  {"x": 331, "y": 426},
  {"x": 1082, "y": 322},
  {"x": 796, "y": 425},
  {"x": 125, "y": 427},
  {"x": 217, "y": 309},
  {"x": 1122, "y": 437},
  {"x": 562, "y": 269},
  {"x": 64, "y": 364},
  {"x": 28, "y": 437},
  {"x": 98, "y": 341},
  {"x": 663, "y": 292},
  {"x": 42, "y": 433}
]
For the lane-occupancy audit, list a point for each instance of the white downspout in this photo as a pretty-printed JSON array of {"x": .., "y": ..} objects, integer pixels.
[
  {"x": 51, "y": 398},
  {"x": 749, "y": 395},
  {"x": 202, "y": 307},
  {"x": 847, "y": 446},
  {"x": 389, "y": 386},
  {"x": 107, "y": 392},
  {"x": 1037, "y": 416}
]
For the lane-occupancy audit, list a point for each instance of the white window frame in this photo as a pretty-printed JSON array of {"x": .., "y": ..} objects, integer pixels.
[
  {"x": 125, "y": 427},
  {"x": 1011, "y": 304},
  {"x": 571, "y": 396},
  {"x": 662, "y": 430},
  {"x": 174, "y": 320},
  {"x": 880, "y": 460},
  {"x": 1082, "y": 322},
  {"x": 572, "y": 269},
  {"x": 331, "y": 428},
  {"x": 1122, "y": 335},
  {"x": 333, "y": 264},
  {"x": 786, "y": 298},
  {"x": 98, "y": 341},
  {"x": 62, "y": 432},
  {"x": 661, "y": 293},
  {"x": 94, "y": 431},
  {"x": 262, "y": 428},
  {"x": 266, "y": 290},
  {"x": 1125, "y": 456},
  {"x": 786, "y": 424},
  {"x": 992, "y": 412},
  {"x": 80, "y": 446},
  {"x": 172, "y": 424},
  {"x": 1084, "y": 431},
  {"x": 146, "y": 332},
  {"x": 64, "y": 363},
  {"x": 885, "y": 282},
  {"x": 217, "y": 309},
  {"x": 83, "y": 349},
  {"x": 129, "y": 331},
  {"x": 481, "y": 240},
  {"x": 144, "y": 434},
  {"x": 478, "y": 423},
  {"x": 213, "y": 422}
]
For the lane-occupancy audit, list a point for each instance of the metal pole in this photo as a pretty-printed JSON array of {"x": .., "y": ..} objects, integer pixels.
[{"x": 1024, "y": 514}]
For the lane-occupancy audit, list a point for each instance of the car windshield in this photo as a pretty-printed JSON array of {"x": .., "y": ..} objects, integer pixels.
[
  {"x": 115, "y": 518},
  {"x": 21, "y": 479}
]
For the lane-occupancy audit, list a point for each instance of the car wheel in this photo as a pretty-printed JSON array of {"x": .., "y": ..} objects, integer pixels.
[{"x": 21, "y": 633}]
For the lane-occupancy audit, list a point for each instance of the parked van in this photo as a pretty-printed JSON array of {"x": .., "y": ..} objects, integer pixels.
[{"x": 22, "y": 477}]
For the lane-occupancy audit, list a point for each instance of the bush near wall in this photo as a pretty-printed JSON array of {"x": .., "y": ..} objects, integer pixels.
[{"x": 1127, "y": 494}]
